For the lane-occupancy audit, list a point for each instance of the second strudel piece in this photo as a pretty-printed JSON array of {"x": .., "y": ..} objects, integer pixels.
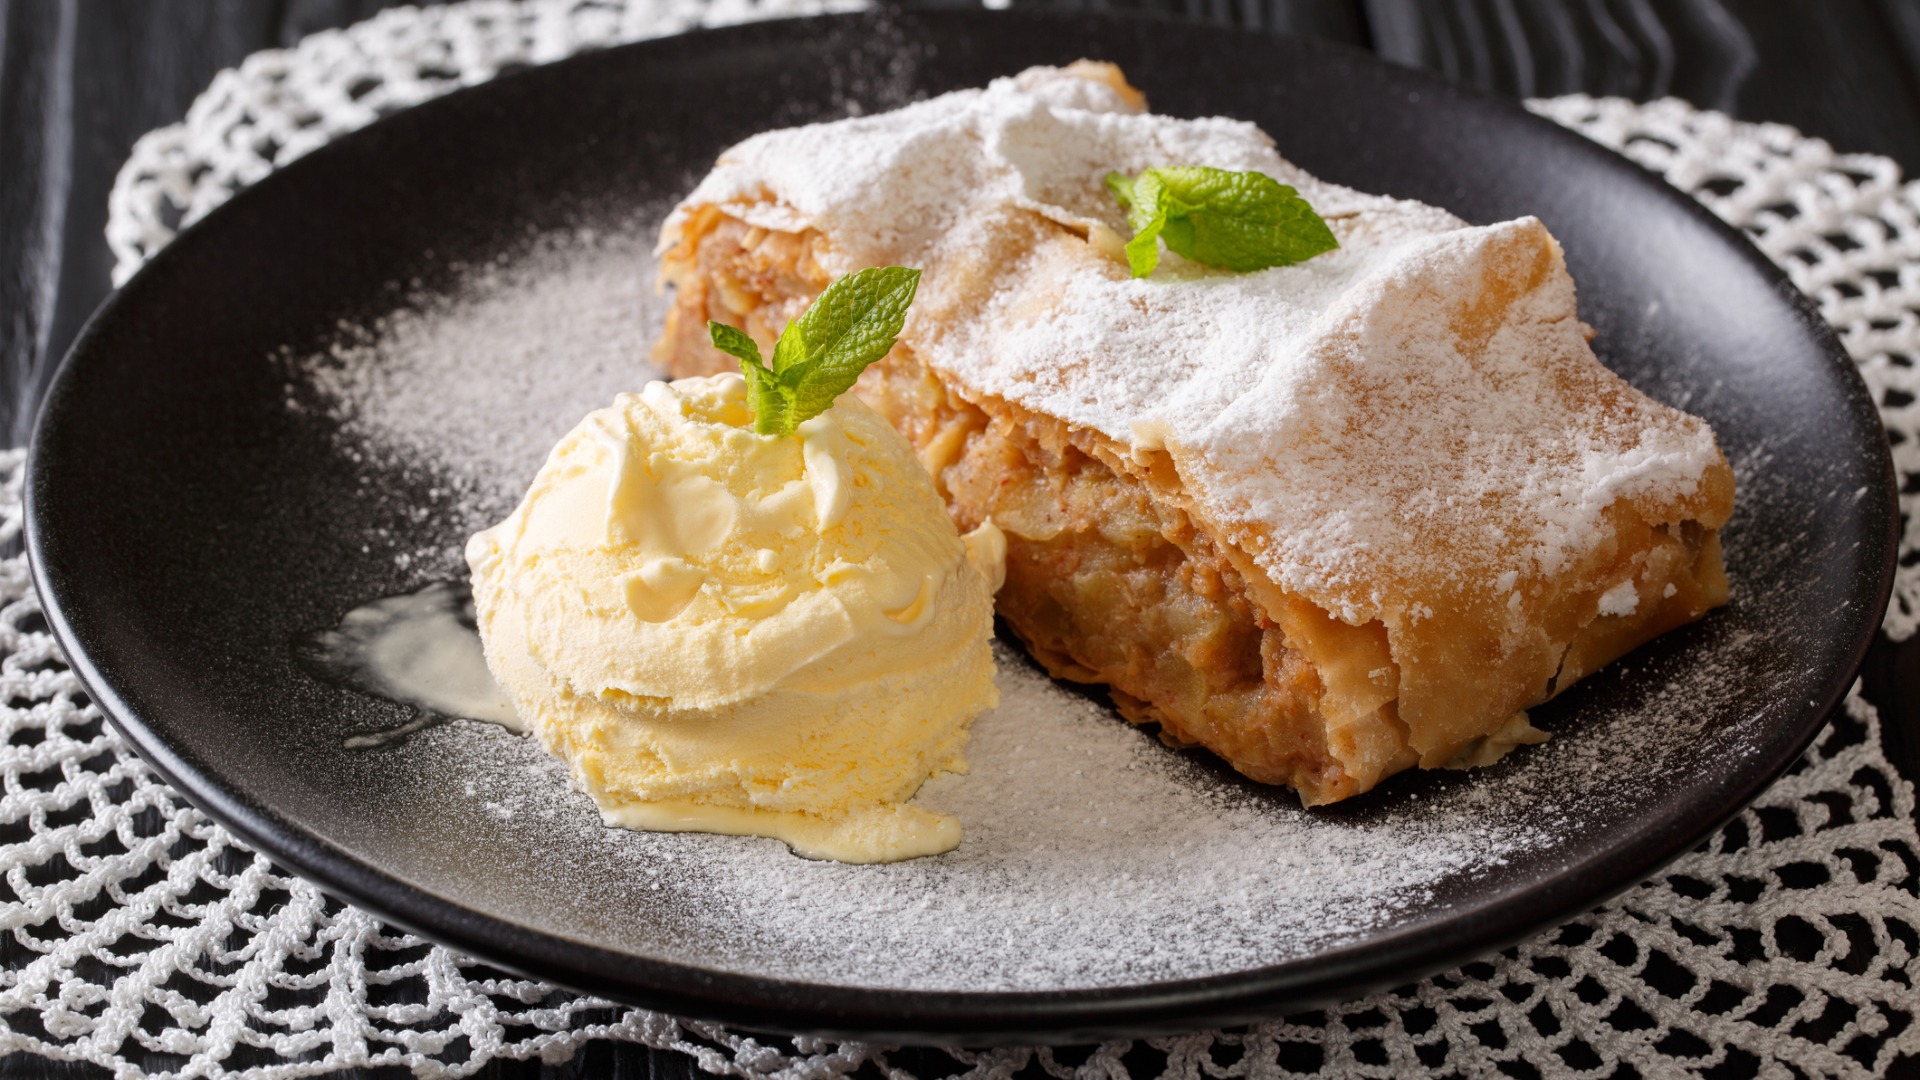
[{"x": 1330, "y": 521}]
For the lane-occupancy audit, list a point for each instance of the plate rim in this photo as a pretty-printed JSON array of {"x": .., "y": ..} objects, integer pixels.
[{"x": 943, "y": 1016}]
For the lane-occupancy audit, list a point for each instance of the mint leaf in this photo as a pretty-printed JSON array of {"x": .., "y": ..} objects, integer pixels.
[
  {"x": 768, "y": 399},
  {"x": 734, "y": 343},
  {"x": 851, "y": 325},
  {"x": 821, "y": 354},
  {"x": 1244, "y": 220},
  {"x": 1147, "y": 209},
  {"x": 789, "y": 348},
  {"x": 1143, "y": 251},
  {"x": 1240, "y": 221}
]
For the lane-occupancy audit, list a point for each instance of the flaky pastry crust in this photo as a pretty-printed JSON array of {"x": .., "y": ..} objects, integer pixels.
[{"x": 1118, "y": 572}]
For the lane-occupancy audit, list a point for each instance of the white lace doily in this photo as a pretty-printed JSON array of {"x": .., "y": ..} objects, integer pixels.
[
  {"x": 145, "y": 938},
  {"x": 1845, "y": 228}
]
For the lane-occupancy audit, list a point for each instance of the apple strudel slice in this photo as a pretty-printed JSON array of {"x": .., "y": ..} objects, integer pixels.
[{"x": 1330, "y": 520}]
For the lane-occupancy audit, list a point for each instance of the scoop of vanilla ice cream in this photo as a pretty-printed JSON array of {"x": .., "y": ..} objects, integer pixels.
[{"x": 730, "y": 632}]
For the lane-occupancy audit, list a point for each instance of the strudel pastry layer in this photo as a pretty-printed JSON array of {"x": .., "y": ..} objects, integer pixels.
[{"x": 1330, "y": 521}]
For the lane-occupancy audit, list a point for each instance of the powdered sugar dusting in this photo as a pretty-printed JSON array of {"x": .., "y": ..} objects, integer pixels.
[
  {"x": 1094, "y": 855},
  {"x": 552, "y": 331}
]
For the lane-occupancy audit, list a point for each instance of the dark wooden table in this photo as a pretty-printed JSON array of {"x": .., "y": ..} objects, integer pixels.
[{"x": 80, "y": 80}]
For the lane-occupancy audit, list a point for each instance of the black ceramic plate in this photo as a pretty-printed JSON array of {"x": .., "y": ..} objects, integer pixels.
[{"x": 188, "y": 526}]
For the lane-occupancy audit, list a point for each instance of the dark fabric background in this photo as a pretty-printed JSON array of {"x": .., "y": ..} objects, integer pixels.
[{"x": 80, "y": 80}]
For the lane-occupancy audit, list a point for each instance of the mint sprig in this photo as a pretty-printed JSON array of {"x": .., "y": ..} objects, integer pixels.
[
  {"x": 820, "y": 354},
  {"x": 1238, "y": 221}
]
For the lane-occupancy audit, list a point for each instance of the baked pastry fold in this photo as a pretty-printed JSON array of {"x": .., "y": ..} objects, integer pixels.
[{"x": 1330, "y": 521}]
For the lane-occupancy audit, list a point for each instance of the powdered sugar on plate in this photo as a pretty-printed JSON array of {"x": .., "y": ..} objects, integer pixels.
[
  {"x": 478, "y": 385},
  {"x": 1094, "y": 856}
]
